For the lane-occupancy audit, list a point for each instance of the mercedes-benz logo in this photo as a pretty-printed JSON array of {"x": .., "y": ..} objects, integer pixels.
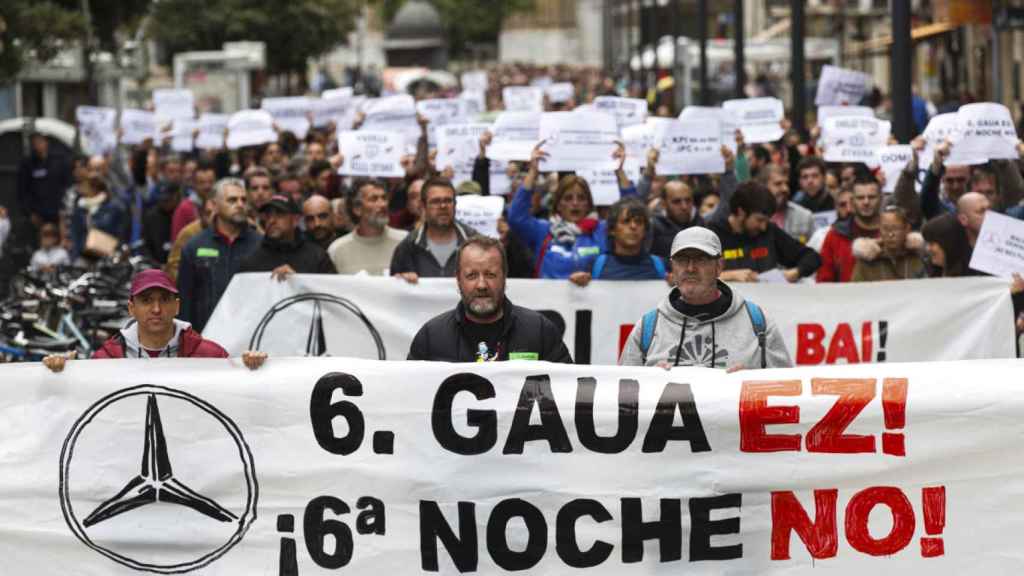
[{"x": 157, "y": 517}]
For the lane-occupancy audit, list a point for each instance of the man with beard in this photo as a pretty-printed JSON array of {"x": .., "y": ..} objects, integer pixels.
[
  {"x": 210, "y": 259},
  {"x": 485, "y": 326},
  {"x": 284, "y": 251},
  {"x": 429, "y": 251},
  {"x": 703, "y": 322},
  {"x": 793, "y": 218},
  {"x": 318, "y": 215},
  {"x": 680, "y": 214},
  {"x": 370, "y": 246}
]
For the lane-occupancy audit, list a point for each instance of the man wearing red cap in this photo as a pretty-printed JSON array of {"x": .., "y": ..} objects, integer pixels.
[{"x": 154, "y": 332}]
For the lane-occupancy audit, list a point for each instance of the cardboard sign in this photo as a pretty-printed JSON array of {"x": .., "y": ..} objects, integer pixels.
[
  {"x": 368, "y": 153},
  {"x": 839, "y": 86},
  {"x": 575, "y": 140},
  {"x": 759, "y": 118},
  {"x": 627, "y": 111},
  {"x": 250, "y": 128}
]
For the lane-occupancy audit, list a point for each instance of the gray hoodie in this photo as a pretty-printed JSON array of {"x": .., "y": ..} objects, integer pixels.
[
  {"x": 722, "y": 342},
  {"x": 134, "y": 349}
]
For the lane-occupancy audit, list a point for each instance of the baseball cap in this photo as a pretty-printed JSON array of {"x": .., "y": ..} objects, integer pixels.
[
  {"x": 282, "y": 203},
  {"x": 697, "y": 237},
  {"x": 152, "y": 279},
  {"x": 468, "y": 187}
]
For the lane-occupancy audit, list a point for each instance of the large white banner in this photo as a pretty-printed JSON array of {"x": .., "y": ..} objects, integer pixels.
[
  {"x": 335, "y": 465},
  {"x": 912, "y": 320}
]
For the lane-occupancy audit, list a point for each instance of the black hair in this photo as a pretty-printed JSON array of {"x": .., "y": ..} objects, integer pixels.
[
  {"x": 436, "y": 182},
  {"x": 754, "y": 198},
  {"x": 629, "y": 207},
  {"x": 355, "y": 195}
]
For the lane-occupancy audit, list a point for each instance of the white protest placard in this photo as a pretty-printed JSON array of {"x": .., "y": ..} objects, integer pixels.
[
  {"x": 854, "y": 138},
  {"x": 1000, "y": 247},
  {"x": 392, "y": 114},
  {"x": 542, "y": 81},
  {"x": 940, "y": 128},
  {"x": 290, "y": 113},
  {"x": 211, "y": 131},
  {"x": 348, "y": 119},
  {"x": 250, "y": 128},
  {"x": 627, "y": 111},
  {"x": 523, "y": 98},
  {"x": 638, "y": 139},
  {"x": 458, "y": 146},
  {"x": 604, "y": 185},
  {"x": 97, "y": 129},
  {"x": 831, "y": 111},
  {"x": 498, "y": 178},
  {"x": 480, "y": 212},
  {"x": 475, "y": 80},
  {"x": 892, "y": 160},
  {"x": 138, "y": 126},
  {"x": 173, "y": 103},
  {"x": 368, "y": 153},
  {"x": 560, "y": 92},
  {"x": 182, "y": 134},
  {"x": 838, "y": 86},
  {"x": 758, "y": 118},
  {"x": 691, "y": 147},
  {"x": 442, "y": 111},
  {"x": 332, "y": 106},
  {"x": 575, "y": 140},
  {"x": 986, "y": 130},
  {"x": 726, "y": 119},
  {"x": 476, "y": 102},
  {"x": 515, "y": 135}
]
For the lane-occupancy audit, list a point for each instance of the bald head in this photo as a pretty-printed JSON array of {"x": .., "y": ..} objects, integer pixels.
[
  {"x": 319, "y": 219},
  {"x": 678, "y": 202},
  {"x": 970, "y": 212}
]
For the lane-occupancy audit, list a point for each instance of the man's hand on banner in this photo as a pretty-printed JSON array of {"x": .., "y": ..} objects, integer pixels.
[
  {"x": 56, "y": 362},
  {"x": 253, "y": 359}
]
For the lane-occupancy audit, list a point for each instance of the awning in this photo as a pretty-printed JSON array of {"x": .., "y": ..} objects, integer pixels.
[{"x": 882, "y": 43}]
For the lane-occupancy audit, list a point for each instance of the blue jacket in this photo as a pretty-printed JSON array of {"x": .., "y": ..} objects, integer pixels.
[
  {"x": 555, "y": 260},
  {"x": 109, "y": 217},
  {"x": 208, "y": 262},
  {"x": 644, "y": 266}
]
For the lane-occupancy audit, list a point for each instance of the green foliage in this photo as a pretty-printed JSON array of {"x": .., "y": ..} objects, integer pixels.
[
  {"x": 35, "y": 30},
  {"x": 293, "y": 30},
  {"x": 466, "y": 21}
]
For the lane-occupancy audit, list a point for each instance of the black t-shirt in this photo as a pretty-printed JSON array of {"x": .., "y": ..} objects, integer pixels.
[
  {"x": 703, "y": 311},
  {"x": 486, "y": 339}
]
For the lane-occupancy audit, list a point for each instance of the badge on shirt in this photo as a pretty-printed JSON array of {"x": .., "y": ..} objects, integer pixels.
[
  {"x": 207, "y": 253},
  {"x": 523, "y": 356}
]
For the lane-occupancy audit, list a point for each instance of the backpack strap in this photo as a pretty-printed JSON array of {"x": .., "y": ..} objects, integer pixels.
[
  {"x": 598, "y": 268},
  {"x": 760, "y": 328},
  {"x": 647, "y": 324},
  {"x": 659, "y": 265}
]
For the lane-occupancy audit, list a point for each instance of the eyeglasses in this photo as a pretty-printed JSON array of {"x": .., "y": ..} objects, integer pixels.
[
  {"x": 437, "y": 202},
  {"x": 684, "y": 260}
]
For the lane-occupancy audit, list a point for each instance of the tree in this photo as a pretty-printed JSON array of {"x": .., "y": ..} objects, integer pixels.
[
  {"x": 466, "y": 21},
  {"x": 293, "y": 30},
  {"x": 35, "y": 31}
]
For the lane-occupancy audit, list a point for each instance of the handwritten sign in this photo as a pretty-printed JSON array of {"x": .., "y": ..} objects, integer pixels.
[
  {"x": 841, "y": 86},
  {"x": 986, "y": 130},
  {"x": 291, "y": 114},
  {"x": 575, "y": 140},
  {"x": 369, "y": 153},
  {"x": 691, "y": 147},
  {"x": 211, "y": 131},
  {"x": 854, "y": 138},
  {"x": 96, "y": 129},
  {"x": 523, "y": 98},
  {"x": 940, "y": 128},
  {"x": 458, "y": 146},
  {"x": 515, "y": 135},
  {"x": 725, "y": 118},
  {"x": 759, "y": 118},
  {"x": 250, "y": 128},
  {"x": 480, "y": 212},
  {"x": 1000, "y": 247},
  {"x": 627, "y": 111},
  {"x": 137, "y": 126}
]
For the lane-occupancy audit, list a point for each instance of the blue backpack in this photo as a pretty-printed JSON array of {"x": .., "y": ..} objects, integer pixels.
[
  {"x": 650, "y": 319},
  {"x": 599, "y": 263}
]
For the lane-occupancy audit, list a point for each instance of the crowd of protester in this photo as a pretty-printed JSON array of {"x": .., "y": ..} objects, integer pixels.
[{"x": 282, "y": 208}]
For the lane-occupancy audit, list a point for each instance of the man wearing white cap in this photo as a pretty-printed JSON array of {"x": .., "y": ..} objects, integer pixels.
[{"x": 703, "y": 322}]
